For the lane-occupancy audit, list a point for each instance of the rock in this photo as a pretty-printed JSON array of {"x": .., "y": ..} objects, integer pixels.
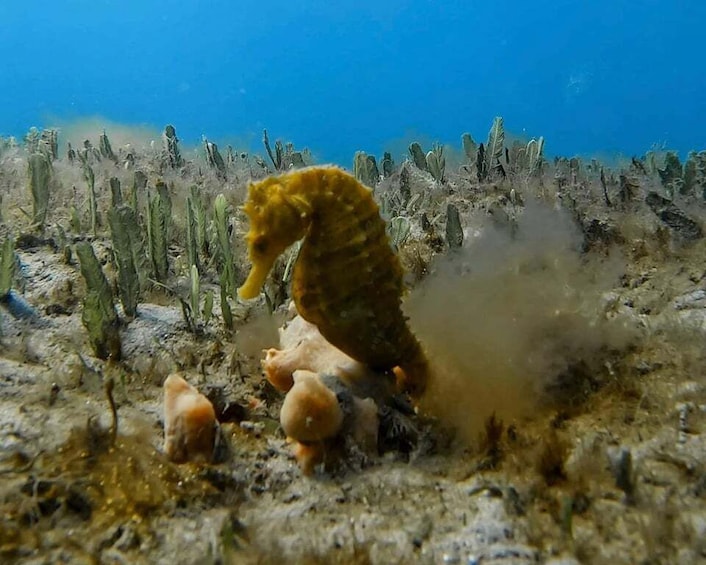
[
  {"x": 693, "y": 299},
  {"x": 366, "y": 424},
  {"x": 673, "y": 217},
  {"x": 563, "y": 561},
  {"x": 303, "y": 347}
]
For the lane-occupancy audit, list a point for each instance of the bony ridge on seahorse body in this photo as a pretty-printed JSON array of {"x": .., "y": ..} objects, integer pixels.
[{"x": 347, "y": 279}]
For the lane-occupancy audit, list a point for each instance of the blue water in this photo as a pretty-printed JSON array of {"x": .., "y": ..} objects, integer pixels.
[{"x": 598, "y": 77}]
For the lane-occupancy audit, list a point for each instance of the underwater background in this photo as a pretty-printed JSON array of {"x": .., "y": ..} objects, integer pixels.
[
  {"x": 507, "y": 363},
  {"x": 594, "y": 78}
]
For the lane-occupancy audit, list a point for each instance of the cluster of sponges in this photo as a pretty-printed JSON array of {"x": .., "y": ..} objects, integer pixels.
[
  {"x": 329, "y": 396},
  {"x": 330, "y": 404}
]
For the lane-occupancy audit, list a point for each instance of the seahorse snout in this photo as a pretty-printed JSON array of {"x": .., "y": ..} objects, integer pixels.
[{"x": 258, "y": 273}]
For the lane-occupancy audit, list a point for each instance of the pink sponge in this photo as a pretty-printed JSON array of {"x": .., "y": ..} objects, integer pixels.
[{"x": 310, "y": 412}]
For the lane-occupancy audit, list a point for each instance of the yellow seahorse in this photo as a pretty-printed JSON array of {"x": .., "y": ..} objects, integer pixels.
[{"x": 347, "y": 280}]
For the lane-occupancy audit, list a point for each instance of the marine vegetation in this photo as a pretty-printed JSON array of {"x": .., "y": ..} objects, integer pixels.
[{"x": 547, "y": 315}]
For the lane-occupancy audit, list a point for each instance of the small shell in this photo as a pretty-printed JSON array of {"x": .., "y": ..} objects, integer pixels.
[{"x": 190, "y": 426}]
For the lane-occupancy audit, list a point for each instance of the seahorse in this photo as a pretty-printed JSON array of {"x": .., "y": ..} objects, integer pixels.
[{"x": 347, "y": 280}]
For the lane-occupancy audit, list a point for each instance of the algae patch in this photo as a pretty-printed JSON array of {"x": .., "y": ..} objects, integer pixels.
[{"x": 100, "y": 484}]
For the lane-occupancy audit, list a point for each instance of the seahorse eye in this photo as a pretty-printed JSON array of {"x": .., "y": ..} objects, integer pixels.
[{"x": 259, "y": 246}]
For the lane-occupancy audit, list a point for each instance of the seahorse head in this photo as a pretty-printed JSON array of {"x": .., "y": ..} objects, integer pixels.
[{"x": 277, "y": 219}]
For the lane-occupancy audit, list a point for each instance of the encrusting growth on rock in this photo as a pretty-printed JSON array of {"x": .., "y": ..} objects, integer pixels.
[
  {"x": 347, "y": 280},
  {"x": 190, "y": 427},
  {"x": 330, "y": 398},
  {"x": 303, "y": 347},
  {"x": 322, "y": 416}
]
